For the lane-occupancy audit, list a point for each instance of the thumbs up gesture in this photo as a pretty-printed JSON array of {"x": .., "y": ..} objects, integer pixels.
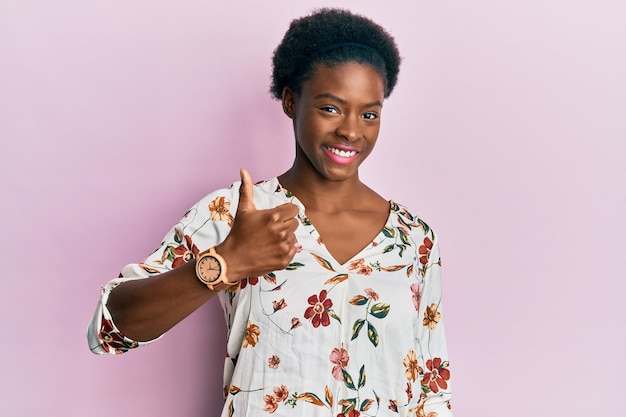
[{"x": 260, "y": 241}]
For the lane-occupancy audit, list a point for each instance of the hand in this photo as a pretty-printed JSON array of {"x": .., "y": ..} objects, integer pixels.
[{"x": 260, "y": 241}]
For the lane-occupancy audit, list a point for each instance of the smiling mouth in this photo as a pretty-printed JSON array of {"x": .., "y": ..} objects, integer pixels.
[{"x": 340, "y": 152}]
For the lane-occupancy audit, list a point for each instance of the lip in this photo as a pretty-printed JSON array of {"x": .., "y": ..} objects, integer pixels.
[{"x": 341, "y": 159}]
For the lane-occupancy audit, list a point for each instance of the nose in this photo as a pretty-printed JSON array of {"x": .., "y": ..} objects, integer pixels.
[{"x": 349, "y": 128}]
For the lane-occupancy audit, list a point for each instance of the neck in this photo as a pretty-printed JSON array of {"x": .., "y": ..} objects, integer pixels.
[{"x": 319, "y": 193}]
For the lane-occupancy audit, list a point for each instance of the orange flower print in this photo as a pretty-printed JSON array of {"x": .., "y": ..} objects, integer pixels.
[
  {"x": 184, "y": 252},
  {"x": 273, "y": 362},
  {"x": 424, "y": 250},
  {"x": 252, "y": 335},
  {"x": 412, "y": 369},
  {"x": 438, "y": 375},
  {"x": 409, "y": 391},
  {"x": 220, "y": 210},
  {"x": 318, "y": 311},
  {"x": 359, "y": 267},
  {"x": 371, "y": 294},
  {"x": 431, "y": 316},
  {"x": 270, "y": 403},
  {"x": 420, "y": 411},
  {"x": 281, "y": 393},
  {"x": 417, "y": 295},
  {"x": 279, "y": 305},
  {"x": 295, "y": 323},
  {"x": 339, "y": 357}
]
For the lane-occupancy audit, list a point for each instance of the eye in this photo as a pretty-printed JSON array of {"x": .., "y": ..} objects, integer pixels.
[
  {"x": 329, "y": 109},
  {"x": 370, "y": 115}
]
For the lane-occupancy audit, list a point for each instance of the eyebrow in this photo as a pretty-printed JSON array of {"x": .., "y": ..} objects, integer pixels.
[{"x": 342, "y": 101}]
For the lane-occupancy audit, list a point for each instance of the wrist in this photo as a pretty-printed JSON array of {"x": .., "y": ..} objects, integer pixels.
[{"x": 211, "y": 269}]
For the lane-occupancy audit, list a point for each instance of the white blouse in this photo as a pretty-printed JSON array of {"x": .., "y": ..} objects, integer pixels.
[{"x": 318, "y": 338}]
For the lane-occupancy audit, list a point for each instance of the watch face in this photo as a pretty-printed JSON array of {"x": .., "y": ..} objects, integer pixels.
[{"x": 209, "y": 269}]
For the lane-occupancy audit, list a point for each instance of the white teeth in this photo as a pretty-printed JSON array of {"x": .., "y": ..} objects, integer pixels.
[{"x": 343, "y": 154}]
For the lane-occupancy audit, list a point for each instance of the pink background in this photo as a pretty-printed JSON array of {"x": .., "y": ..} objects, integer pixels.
[{"x": 507, "y": 133}]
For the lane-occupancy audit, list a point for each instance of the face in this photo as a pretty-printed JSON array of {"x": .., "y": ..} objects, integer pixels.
[{"x": 336, "y": 119}]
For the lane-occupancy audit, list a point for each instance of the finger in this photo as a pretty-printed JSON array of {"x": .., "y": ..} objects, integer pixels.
[
  {"x": 246, "y": 192},
  {"x": 287, "y": 210},
  {"x": 291, "y": 224}
]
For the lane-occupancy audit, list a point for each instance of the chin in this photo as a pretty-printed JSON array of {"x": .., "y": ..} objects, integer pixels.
[{"x": 338, "y": 175}]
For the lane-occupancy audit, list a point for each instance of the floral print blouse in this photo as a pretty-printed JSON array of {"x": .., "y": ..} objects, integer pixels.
[{"x": 319, "y": 338}]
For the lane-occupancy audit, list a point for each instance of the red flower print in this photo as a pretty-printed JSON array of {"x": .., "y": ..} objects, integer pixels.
[
  {"x": 273, "y": 362},
  {"x": 359, "y": 267},
  {"x": 351, "y": 413},
  {"x": 248, "y": 280},
  {"x": 184, "y": 252},
  {"x": 339, "y": 357},
  {"x": 424, "y": 250},
  {"x": 409, "y": 391},
  {"x": 114, "y": 340},
  {"x": 393, "y": 405},
  {"x": 318, "y": 311},
  {"x": 438, "y": 375}
]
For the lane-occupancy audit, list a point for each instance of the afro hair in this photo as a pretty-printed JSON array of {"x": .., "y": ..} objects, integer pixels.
[{"x": 332, "y": 37}]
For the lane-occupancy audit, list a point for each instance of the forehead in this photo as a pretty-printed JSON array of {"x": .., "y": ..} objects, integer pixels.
[{"x": 350, "y": 80}]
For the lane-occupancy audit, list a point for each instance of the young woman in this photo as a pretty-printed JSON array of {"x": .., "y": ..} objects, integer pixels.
[{"x": 331, "y": 294}]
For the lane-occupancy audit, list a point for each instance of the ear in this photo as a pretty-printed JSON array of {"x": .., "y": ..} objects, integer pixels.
[{"x": 289, "y": 102}]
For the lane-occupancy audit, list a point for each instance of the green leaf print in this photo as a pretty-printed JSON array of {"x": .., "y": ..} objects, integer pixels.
[
  {"x": 326, "y": 264},
  {"x": 336, "y": 279},
  {"x": 362, "y": 377},
  {"x": 334, "y": 315},
  {"x": 403, "y": 237},
  {"x": 347, "y": 405},
  {"x": 358, "y": 325},
  {"x": 389, "y": 232},
  {"x": 388, "y": 248},
  {"x": 366, "y": 404},
  {"x": 372, "y": 334},
  {"x": 380, "y": 310},
  {"x": 424, "y": 226},
  {"x": 293, "y": 266},
  {"x": 347, "y": 379},
  {"x": 359, "y": 300}
]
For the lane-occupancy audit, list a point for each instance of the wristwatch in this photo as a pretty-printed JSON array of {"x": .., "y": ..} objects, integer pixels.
[{"x": 211, "y": 270}]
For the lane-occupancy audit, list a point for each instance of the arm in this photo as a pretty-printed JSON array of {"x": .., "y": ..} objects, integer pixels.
[
  {"x": 436, "y": 373},
  {"x": 135, "y": 309}
]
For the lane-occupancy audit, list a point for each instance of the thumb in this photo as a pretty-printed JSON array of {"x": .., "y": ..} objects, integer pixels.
[{"x": 246, "y": 192}]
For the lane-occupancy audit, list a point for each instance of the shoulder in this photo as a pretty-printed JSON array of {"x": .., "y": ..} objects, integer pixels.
[
  {"x": 267, "y": 193},
  {"x": 411, "y": 222}
]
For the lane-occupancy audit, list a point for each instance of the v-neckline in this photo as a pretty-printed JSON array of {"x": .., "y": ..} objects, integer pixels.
[{"x": 308, "y": 224}]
